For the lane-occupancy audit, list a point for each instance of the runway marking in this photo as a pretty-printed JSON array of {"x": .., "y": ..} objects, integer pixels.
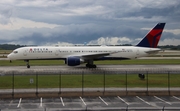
[
  {"x": 103, "y": 101},
  {"x": 176, "y": 98},
  {"x": 19, "y": 103},
  {"x": 41, "y": 102},
  {"x": 143, "y": 100},
  {"x": 123, "y": 100},
  {"x": 162, "y": 100},
  {"x": 62, "y": 101},
  {"x": 82, "y": 100},
  {"x": 10, "y": 102}
]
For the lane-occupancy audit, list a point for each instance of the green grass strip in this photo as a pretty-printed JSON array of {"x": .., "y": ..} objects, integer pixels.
[{"x": 90, "y": 81}]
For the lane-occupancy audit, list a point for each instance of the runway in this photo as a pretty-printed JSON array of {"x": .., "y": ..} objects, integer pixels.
[{"x": 100, "y": 68}]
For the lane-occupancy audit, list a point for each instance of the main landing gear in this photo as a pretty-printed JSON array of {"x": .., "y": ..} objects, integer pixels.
[
  {"x": 27, "y": 62},
  {"x": 90, "y": 65}
]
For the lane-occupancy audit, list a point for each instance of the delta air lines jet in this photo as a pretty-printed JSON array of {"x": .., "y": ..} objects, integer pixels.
[{"x": 77, "y": 55}]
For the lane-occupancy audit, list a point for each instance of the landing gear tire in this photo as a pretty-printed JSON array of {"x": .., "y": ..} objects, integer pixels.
[
  {"x": 91, "y": 66},
  {"x": 28, "y": 66}
]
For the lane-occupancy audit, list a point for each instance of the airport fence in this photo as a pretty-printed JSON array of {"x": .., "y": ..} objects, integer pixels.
[{"x": 89, "y": 81}]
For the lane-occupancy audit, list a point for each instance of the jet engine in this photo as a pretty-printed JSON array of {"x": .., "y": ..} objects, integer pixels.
[{"x": 73, "y": 61}]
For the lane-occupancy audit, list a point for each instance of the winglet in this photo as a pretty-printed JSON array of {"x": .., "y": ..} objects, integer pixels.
[{"x": 153, "y": 37}]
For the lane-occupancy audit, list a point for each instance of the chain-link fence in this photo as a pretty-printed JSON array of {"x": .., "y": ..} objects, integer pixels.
[{"x": 89, "y": 81}]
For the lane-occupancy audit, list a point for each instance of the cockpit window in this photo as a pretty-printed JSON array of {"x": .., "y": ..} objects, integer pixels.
[{"x": 15, "y": 52}]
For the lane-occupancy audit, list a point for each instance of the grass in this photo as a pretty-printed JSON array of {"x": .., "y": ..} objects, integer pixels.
[
  {"x": 90, "y": 81},
  {"x": 106, "y": 62},
  {"x": 32, "y": 62},
  {"x": 5, "y": 51},
  {"x": 141, "y": 61}
]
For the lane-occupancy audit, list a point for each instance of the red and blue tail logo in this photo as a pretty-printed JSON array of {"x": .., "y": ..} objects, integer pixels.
[{"x": 153, "y": 37}]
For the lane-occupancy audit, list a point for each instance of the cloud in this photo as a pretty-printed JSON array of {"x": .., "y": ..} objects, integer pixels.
[
  {"x": 39, "y": 22},
  {"x": 18, "y": 23},
  {"x": 5, "y": 14},
  {"x": 171, "y": 41},
  {"x": 61, "y": 44},
  {"x": 111, "y": 41},
  {"x": 174, "y": 31}
]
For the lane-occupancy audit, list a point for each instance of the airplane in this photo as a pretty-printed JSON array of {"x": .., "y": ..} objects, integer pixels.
[{"x": 76, "y": 55}]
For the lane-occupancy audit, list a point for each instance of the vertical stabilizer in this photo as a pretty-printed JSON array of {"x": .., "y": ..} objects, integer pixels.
[{"x": 153, "y": 37}]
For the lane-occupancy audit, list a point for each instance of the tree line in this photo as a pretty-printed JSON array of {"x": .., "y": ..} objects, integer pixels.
[{"x": 13, "y": 46}]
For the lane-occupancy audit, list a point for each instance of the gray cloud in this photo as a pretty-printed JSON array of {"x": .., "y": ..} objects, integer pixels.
[
  {"x": 83, "y": 20},
  {"x": 5, "y": 14}
]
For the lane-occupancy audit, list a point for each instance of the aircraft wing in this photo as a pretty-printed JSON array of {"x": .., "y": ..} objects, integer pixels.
[
  {"x": 96, "y": 55},
  {"x": 93, "y": 55}
]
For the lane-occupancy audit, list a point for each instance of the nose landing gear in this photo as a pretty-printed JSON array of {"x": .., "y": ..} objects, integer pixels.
[{"x": 27, "y": 63}]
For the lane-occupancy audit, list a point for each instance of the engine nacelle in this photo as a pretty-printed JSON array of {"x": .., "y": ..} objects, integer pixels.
[{"x": 73, "y": 61}]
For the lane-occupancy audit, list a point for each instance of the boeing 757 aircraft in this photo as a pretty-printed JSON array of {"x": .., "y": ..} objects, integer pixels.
[{"x": 77, "y": 55}]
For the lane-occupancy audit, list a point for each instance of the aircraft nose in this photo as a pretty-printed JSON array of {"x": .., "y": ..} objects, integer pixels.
[{"x": 9, "y": 56}]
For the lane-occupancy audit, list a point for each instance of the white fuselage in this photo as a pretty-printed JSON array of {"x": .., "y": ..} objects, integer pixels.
[{"x": 115, "y": 52}]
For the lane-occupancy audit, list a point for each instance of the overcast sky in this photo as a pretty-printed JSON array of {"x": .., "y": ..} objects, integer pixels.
[{"x": 104, "y": 22}]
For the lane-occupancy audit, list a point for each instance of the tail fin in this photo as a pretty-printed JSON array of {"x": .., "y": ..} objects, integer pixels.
[{"x": 153, "y": 37}]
